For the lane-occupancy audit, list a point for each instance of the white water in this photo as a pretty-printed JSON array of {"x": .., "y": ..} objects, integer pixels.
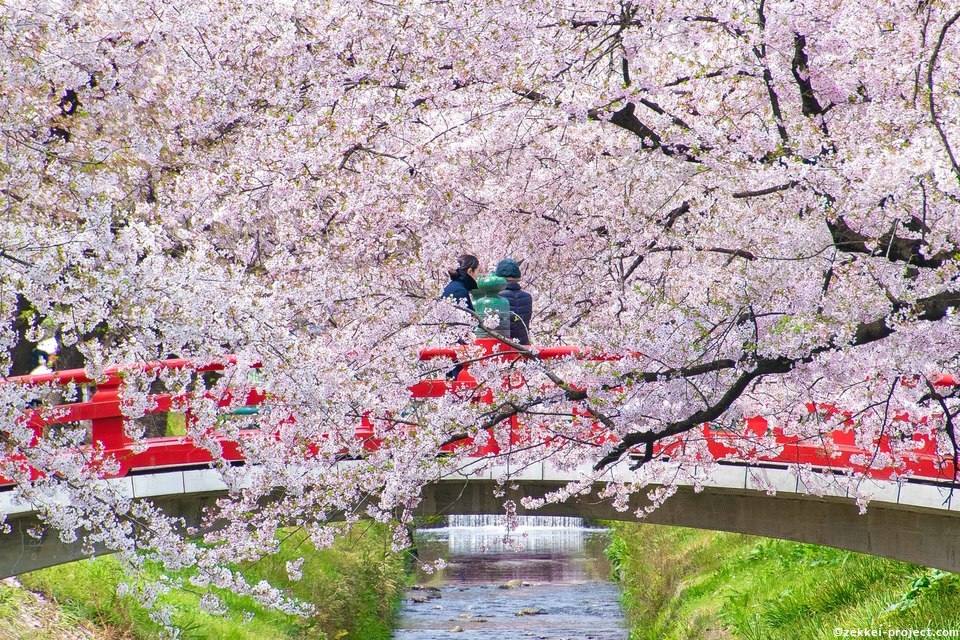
[
  {"x": 471, "y": 535},
  {"x": 523, "y": 521}
]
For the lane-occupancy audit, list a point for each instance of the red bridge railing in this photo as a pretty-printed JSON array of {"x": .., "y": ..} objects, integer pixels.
[{"x": 103, "y": 411}]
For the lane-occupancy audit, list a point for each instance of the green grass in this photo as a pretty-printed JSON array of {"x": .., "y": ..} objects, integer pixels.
[
  {"x": 24, "y": 617},
  {"x": 684, "y": 583},
  {"x": 355, "y": 587},
  {"x": 176, "y": 424}
]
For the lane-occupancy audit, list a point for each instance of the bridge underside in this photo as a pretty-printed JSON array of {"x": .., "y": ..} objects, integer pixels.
[{"x": 929, "y": 537}]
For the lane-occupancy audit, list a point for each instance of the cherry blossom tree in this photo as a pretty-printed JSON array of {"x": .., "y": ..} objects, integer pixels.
[{"x": 755, "y": 200}]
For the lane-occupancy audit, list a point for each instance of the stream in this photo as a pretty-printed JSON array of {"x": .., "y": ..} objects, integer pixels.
[{"x": 550, "y": 581}]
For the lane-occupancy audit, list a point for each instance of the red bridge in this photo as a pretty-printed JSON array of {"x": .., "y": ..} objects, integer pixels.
[
  {"x": 102, "y": 410},
  {"x": 913, "y": 515}
]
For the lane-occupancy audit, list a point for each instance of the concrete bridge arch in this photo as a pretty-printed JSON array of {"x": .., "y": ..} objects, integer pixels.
[{"x": 916, "y": 522}]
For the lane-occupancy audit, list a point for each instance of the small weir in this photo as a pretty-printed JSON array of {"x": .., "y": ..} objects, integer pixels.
[{"x": 548, "y": 580}]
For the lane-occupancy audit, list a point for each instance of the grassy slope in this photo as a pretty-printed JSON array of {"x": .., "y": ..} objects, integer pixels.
[
  {"x": 26, "y": 616},
  {"x": 684, "y": 583},
  {"x": 354, "y": 586}
]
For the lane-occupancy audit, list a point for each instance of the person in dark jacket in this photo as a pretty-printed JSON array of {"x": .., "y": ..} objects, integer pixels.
[
  {"x": 462, "y": 281},
  {"x": 521, "y": 302}
]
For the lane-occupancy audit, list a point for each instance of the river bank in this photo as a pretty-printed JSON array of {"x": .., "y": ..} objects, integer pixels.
[
  {"x": 355, "y": 587},
  {"x": 674, "y": 584},
  {"x": 685, "y": 583}
]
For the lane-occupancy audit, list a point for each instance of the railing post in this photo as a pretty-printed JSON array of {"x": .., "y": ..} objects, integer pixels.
[{"x": 109, "y": 429}]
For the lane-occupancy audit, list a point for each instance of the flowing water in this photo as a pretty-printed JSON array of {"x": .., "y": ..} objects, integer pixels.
[{"x": 554, "y": 587}]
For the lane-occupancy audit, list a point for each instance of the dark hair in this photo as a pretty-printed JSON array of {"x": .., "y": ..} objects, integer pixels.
[{"x": 464, "y": 264}]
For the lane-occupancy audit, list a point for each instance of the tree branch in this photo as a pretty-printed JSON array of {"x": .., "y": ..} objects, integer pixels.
[
  {"x": 625, "y": 119},
  {"x": 4, "y": 254},
  {"x": 950, "y": 426},
  {"x": 933, "y": 109},
  {"x": 711, "y": 412},
  {"x": 681, "y": 372},
  {"x": 674, "y": 214},
  {"x": 766, "y": 191},
  {"x": 891, "y": 246},
  {"x": 931, "y": 308},
  {"x": 737, "y": 253},
  {"x": 760, "y": 51},
  {"x": 811, "y": 106}
]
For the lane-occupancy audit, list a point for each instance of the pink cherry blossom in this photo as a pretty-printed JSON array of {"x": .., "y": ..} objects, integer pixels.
[{"x": 756, "y": 199}]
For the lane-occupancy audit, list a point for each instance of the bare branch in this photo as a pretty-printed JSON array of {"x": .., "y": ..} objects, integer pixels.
[
  {"x": 933, "y": 109},
  {"x": 766, "y": 191}
]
